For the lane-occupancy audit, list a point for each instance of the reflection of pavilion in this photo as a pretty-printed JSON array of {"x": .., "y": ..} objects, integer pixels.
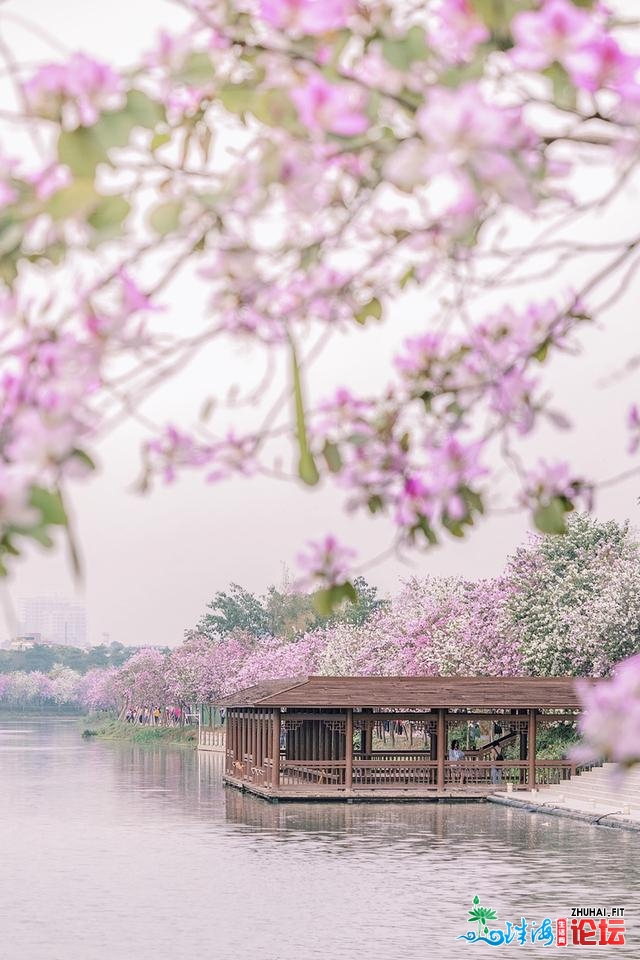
[{"x": 315, "y": 737}]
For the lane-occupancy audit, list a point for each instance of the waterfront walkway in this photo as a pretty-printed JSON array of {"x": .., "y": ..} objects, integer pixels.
[{"x": 600, "y": 796}]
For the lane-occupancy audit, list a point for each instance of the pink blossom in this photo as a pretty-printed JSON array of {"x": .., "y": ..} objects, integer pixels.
[
  {"x": 414, "y": 502},
  {"x": 8, "y": 194},
  {"x": 331, "y": 108},
  {"x": 466, "y": 132},
  {"x": 452, "y": 466},
  {"x": 84, "y": 85},
  {"x": 552, "y": 34},
  {"x": 326, "y": 561},
  {"x": 174, "y": 449},
  {"x": 40, "y": 440},
  {"x": 550, "y": 480},
  {"x": 602, "y": 63},
  {"x": 234, "y": 455},
  {"x": 49, "y": 180},
  {"x": 15, "y": 490},
  {"x": 456, "y": 30},
  {"x": 133, "y": 298},
  {"x": 633, "y": 424},
  {"x": 610, "y": 724},
  {"x": 512, "y": 398},
  {"x": 307, "y": 17}
]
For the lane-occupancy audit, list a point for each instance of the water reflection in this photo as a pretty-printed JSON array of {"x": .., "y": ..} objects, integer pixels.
[{"x": 114, "y": 850}]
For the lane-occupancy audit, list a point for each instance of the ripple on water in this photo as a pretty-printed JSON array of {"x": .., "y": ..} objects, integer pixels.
[{"x": 113, "y": 850}]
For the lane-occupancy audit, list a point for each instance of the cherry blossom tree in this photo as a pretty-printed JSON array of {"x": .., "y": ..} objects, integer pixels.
[{"x": 311, "y": 163}]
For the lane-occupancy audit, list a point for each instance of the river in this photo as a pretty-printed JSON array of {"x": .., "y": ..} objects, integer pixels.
[{"x": 113, "y": 851}]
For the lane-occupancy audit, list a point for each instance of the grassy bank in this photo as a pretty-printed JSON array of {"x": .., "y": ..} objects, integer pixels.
[{"x": 109, "y": 729}]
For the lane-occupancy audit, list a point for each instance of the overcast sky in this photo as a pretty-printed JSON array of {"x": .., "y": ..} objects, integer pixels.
[{"x": 152, "y": 563}]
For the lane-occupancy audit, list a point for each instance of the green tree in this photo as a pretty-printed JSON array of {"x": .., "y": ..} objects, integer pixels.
[
  {"x": 236, "y": 610},
  {"x": 366, "y": 605}
]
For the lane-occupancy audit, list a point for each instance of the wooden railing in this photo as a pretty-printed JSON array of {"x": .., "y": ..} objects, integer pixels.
[
  {"x": 212, "y": 738},
  {"x": 497, "y": 773},
  {"x": 394, "y": 774},
  {"x": 399, "y": 772},
  {"x": 321, "y": 773},
  {"x": 399, "y": 755}
]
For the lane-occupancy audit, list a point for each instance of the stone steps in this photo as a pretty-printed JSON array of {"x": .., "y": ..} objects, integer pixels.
[{"x": 596, "y": 791}]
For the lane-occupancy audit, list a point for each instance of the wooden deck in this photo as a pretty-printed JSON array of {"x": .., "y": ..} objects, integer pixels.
[
  {"x": 409, "y": 779},
  {"x": 317, "y": 794}
]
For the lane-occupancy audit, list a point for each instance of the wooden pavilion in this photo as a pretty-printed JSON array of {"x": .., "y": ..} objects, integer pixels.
[{"x": 320, "y": 737}]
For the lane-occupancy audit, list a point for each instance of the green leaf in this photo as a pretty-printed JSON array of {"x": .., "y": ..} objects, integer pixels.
[
  {"x": 109, "y": 215},
  {"x": 402, "y": 53},
  {"x": 81, "y": 150},
  {"x": 40, "y": 535},
  {"x": 396, "y": 53},
  {"x": 306, "y": 465},
  {"x": 542, "y": 351},
  {"x": 113, "y": 129},
  {"x": 425, "y": 527},
  {"x": 550, "y": 518},
  {"x": 50, "y": 505},
  {"x": 144, "y": 111},
  {"x": 407, "y": 277},
  {"x": 416, "y": 43},
  {"x": 307, "y": 469},
  {"x": 165, "y": 218},
  {"x": 454, "y": 526},
  {"x": 327, "y": 601},
  {"x": 84, "y": 458},
  {"x": 237, "y": 97},
  {"x": 332, "y": 457},
  {"x": 274, "y": 108},
  {"x": 78, "y": 199},
  {"x": 371, "y": 309},
  {"x": 465, "y": 73},
  {"x": 197, "y": 70},
  {"x": 497, "y": 14},
  {"x": 564, "y": 93},
  {"x": 472, "y": 499},
  {"x": 159, "y": 139}
]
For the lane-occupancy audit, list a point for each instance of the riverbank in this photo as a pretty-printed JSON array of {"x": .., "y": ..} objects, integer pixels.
[{"x": 109, "y": 729}]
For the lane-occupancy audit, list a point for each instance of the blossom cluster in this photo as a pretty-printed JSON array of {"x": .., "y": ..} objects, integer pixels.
[{"x": 309, "y": 162}]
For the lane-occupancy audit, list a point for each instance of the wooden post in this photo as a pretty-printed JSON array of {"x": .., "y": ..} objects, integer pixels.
[
  {"x": 531, "y": 743},
  {"x": 348, "y": 770},
  {"x": 275, "y": 747},
  {"x": 441, "y": 747}
]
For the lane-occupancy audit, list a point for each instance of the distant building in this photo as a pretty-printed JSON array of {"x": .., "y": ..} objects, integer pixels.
[
  {"x": 25, "y": 642},
  {"x": 54, "y": 619}
]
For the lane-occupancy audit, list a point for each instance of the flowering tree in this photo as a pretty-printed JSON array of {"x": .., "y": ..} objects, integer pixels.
[
  {"x": 142, "y": 681},
  {"x": 99, "y": 689},
  {"x": 574, "y": 601},
  {"x": 437, "y": 627},
  {"x": 205, "y": 668},
  {"x": 311, "y": 162}
]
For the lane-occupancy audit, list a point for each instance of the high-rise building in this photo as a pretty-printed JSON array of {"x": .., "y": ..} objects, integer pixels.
[{"x": 56, "y": 619}]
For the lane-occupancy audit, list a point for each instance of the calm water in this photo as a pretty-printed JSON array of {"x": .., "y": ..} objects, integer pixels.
[{"x": 110, "y": 851}]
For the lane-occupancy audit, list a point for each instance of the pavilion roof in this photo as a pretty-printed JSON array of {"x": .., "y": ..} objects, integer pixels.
[{"x": 411, "y": 692}]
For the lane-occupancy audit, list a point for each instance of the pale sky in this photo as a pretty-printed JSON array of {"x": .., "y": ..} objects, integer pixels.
[{"x": 153, "y": 562}]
